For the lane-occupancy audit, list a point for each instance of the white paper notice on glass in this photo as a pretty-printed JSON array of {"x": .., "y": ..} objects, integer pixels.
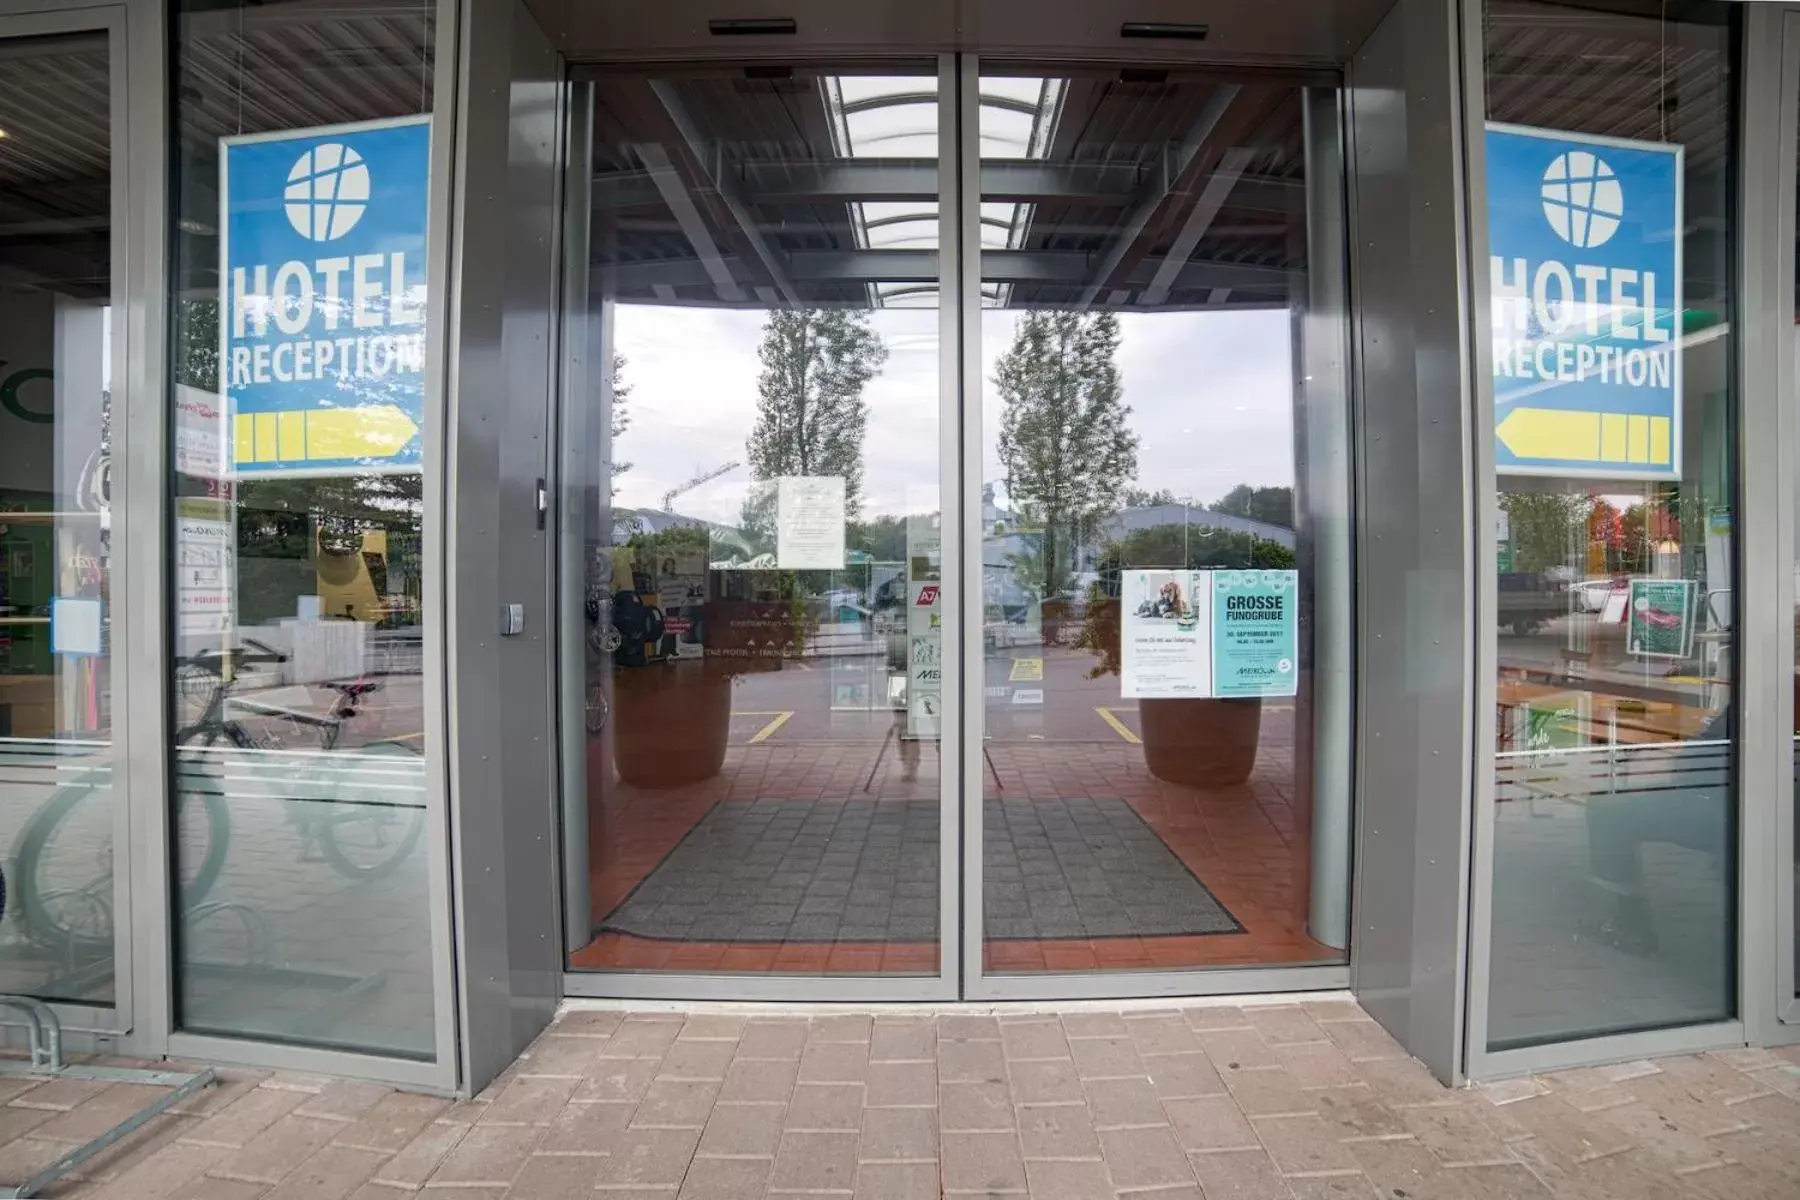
[
  {"x": 75, "y": 626},
  {"x": 1165, "y": 634},
  {"x": 809, "y": 523}
]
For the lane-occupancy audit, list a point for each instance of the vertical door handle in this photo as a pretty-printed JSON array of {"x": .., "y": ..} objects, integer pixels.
[{"x": 543, "y": 503}]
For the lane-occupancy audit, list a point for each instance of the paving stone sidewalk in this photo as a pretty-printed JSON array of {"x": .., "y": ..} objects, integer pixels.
[{"x": 1288, "y": 1102}]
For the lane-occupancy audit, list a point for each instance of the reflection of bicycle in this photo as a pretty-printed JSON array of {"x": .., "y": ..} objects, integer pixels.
[{"x": 362, "y": 838}]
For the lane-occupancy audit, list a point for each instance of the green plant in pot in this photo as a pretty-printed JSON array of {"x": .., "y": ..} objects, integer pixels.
[
  {"x": 684, "y": 632},
  {"x": 1195, "y": 742}
]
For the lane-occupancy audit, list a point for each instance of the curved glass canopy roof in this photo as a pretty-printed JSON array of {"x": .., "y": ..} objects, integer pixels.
[{"x": 889, "y": 117}]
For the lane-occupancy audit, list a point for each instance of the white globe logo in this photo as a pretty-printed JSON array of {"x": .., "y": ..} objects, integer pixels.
[
  {"x": 1582, "y": 199},
  {"x": 327, "y": 191}
]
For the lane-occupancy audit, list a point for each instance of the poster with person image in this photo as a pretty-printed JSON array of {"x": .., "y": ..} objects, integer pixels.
[
  {"x": 1165, "y": 634},
  {"x": 680, "y": 573}
]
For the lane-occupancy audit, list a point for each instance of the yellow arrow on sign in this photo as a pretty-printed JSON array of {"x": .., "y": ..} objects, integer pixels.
[
  {"x": 322, "y": 435},
  {"x": 1576, "y": 436}
]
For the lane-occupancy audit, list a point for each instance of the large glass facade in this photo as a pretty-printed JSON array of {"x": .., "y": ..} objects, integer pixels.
[
  {"x": 1610, "y": 157},
  {"x": 57, "y": 376},
  {"x": 296, "y": 400},
  {"x": 1147, "y": 528},
  {"x": 810, "y": 694},
  {"x": 764, "y": 581}
]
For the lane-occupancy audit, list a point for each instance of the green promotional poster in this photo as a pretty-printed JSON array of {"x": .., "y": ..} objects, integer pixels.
[
  {"x": 1256, "y": 635},
  {"x": 1660, "y": 618}
]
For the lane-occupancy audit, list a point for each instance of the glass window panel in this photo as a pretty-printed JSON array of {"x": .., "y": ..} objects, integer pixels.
[
  {"x": 56, "y": 385},
  {"x": 1615, "y": 824},
  {"x": 299, "y": 616},
  {"x": 765, "y": 589},
  {"x": 1141, "y": 812}
]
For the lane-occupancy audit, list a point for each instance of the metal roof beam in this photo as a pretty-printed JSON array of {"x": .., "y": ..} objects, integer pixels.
[
  {"x": 921, "y": 266},
  {"x": 687, "y": 214},
  {"x": 1212, "y": 198},
  {"x": 728, "y": 195},
  {"x": 1154, "y": 192},
  {"x": 900, "y": 179}
]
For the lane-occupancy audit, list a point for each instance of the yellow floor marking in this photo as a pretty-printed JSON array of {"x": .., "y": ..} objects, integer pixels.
[
  {"x": 767, "y": 731},
  {"x": 1106, "y": 714}
]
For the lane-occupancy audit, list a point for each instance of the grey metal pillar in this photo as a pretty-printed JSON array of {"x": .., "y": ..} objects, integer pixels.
[
  {"x": 504, "y": 334},
  {"x": 1409, "y": 122},
  {"x": 1768, "y": 538}
]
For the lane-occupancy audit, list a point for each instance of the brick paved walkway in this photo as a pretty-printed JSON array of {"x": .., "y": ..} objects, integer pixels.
[{"x": 1290, "y": 1102}]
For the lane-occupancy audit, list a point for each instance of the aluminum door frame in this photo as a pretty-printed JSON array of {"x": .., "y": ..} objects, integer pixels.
[
  {"x": 956, "y": 514},
  {"x": 98, "y": 1026},
  {"x": 1771, "y": 378},
  {"x": 149, "y": 509},
  {"x": 978, "y": 983}
]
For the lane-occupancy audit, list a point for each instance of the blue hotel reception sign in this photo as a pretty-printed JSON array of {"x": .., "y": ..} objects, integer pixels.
[
  {"x": 1584, "y": 243},
  {"x": 322, "y": 281}
]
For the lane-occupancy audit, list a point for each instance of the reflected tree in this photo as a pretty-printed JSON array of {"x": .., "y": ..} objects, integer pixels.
[
  {"x": 621, "y": 416},
  {"x": 1270, "y": 505},
  {"x": 1547, "y": 529},
  {"x": 1066, "y": 450},
  {"x": 810, "y": 411}
]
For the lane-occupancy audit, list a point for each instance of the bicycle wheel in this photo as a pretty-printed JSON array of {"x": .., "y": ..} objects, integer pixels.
[
  {"x": 369, "y": 835},
  {"x": 202, "y": 830},
  {"x": 63, "y": 871}
]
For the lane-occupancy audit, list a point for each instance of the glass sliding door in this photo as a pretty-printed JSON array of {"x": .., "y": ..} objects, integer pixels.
[
  {"x": 1154, "y": 769},
  {"x": 770, "y": 627},
  {"x": 59, "y": 360},
  {"x": 759, "y": 632},
  {"x": 1610, "y": 167}
]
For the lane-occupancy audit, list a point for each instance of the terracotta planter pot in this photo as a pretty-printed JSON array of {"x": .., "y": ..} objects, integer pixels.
[
  {"x": 1201, "y": 743},
  {"x": 670, "y": 722}
]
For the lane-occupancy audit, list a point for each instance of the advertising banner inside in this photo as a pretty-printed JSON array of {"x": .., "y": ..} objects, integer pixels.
[
  {"x": 1584, "y": 242},
  {"x": 322, "y": 281}
]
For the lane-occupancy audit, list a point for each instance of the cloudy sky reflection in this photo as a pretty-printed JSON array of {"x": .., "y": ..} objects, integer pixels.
[{"x": 1211, "y": 395}]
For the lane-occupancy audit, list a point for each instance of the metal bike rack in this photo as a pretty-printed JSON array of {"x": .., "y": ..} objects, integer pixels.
[{"x": 47, "y": 1062}]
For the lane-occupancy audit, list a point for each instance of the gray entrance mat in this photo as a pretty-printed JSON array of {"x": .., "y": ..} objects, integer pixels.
[{"x": 867, "y": 871}]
